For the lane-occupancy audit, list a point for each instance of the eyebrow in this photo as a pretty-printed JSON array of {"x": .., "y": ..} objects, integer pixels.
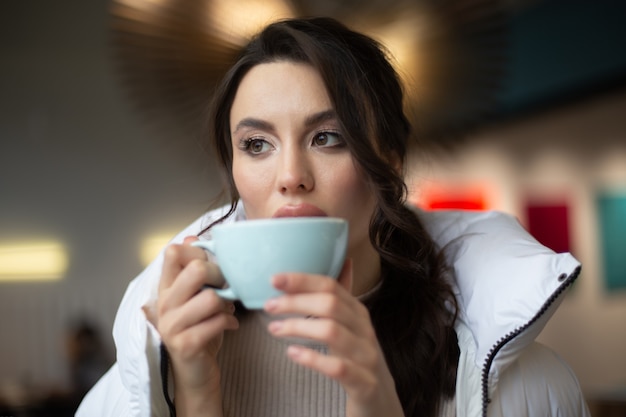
[
  {"x": 320, "y": 117},
  {"x": 251, "y": 122}
]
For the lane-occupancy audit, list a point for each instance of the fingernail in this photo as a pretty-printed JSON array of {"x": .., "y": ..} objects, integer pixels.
[
  {"x": 279, "y": 280},
  {"x": 294, "y": 351},
  {"x": 271, "y": 305},
  {"x": 275, "y": 326}
]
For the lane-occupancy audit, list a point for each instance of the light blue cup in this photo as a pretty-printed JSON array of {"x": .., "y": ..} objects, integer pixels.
[{"x": 250, "y": 252}]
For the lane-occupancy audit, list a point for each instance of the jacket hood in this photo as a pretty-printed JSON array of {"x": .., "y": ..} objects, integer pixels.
[{"x": 508, "y": 285}]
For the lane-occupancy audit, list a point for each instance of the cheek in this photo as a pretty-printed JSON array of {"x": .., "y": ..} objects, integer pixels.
[
  {"x": 252, "y": 186},
  {"x": 357, "y": 205},
  {"x": 355, "y": 197}
]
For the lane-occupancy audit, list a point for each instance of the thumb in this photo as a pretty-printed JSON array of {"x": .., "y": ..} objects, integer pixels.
[
  {"x": 190, "y": 239},
  {"x": 149, "y": 310},
  {"x": 345, "y": 277}
]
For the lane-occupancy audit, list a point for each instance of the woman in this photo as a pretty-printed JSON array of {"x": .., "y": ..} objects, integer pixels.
[{"x": 309, "y": 121}]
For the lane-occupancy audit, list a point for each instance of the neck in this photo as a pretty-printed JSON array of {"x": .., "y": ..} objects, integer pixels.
[{"x": 366, "y": 268}]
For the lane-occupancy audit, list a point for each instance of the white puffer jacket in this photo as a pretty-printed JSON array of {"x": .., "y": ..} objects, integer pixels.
[{"x": 507, "y": 284}]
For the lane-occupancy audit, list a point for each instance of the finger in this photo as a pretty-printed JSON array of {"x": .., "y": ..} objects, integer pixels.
[
  {"x": 190, "y": 239},
  {"x": 202, "y": 306},
  {"x": 195, "y": 339},
  {"x": 346, "y": 372},
  {"x": 175, "y": 258},
  {"x": 318, "y": 304},
  {"x": 340, "y": 340},
  {"x": 149, "y": 310},
  {"x": 298, "y": 282},
  {"x": 191, "y": 280},
  {"x": 216, "y": 279},
  {"x": 345, "y": 310}
]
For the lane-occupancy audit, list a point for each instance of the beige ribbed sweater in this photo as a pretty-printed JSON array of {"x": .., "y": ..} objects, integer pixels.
[{"x": 258, "y": 380}]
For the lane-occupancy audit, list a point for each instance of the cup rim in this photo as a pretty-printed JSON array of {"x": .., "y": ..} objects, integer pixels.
[{"x": 282, "y": 220}]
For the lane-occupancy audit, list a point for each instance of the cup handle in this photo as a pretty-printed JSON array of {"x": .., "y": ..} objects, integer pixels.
[
  {"x": 225, "y": 293},
  {"x": 208, "y": 245}
]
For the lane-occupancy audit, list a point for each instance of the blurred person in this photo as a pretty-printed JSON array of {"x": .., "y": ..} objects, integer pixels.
[
  {"x": 87, "y": 359},
  {"x": 87, "y": 356},
  {"x": 434, "y": 313}
]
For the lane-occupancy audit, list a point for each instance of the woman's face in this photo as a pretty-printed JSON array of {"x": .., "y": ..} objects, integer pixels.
[{"x": 289, "y": 157}]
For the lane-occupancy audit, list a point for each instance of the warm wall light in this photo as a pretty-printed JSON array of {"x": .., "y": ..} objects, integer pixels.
[
  {"x": 402, "y": 38},
  {"x": 37, "y": 261},
  {"x": 151, "y": 246},
  {"x": 238, "y": 21}
]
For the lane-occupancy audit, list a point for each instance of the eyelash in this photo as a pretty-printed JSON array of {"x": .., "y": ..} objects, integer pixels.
[
  {"x": 246, "y": 144},
  {"x": 335, "y": 133}
]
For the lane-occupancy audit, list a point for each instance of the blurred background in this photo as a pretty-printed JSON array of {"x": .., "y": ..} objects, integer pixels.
[{"x": 520, "y": 106}]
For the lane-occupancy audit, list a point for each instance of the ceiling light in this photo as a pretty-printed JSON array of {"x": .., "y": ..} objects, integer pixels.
[{"x": 34, "y": 261}]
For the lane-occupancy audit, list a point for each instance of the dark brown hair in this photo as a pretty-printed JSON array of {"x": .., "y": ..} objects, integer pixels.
[{"x": 414, "y": 310}]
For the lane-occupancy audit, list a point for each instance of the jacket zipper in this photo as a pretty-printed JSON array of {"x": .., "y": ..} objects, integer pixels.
[{"x": 567, "y": 282}]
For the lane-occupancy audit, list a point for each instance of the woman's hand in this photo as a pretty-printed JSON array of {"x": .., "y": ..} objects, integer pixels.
[
  {"x": 191, "y": 322},
  {"x": 341, "y": 322}
]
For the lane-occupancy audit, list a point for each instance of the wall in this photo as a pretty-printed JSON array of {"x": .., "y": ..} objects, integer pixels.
[
  {"x": 566, "y": 153},
  {"x": 78, "y": 165}
]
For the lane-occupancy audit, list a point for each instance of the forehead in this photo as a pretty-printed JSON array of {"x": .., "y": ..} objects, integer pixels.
[{"x": 280, "y": 88}]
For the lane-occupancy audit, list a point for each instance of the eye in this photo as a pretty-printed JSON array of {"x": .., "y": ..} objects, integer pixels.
[
  {"x": 255, "y": 146},
  {"x": 327, "y": 139}
]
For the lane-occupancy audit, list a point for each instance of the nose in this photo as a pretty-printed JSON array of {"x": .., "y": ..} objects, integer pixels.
[{"x": 295, "y": 174}]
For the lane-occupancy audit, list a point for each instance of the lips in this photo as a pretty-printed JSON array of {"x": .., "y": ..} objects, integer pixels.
[{"x": 300, "y": 210}]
